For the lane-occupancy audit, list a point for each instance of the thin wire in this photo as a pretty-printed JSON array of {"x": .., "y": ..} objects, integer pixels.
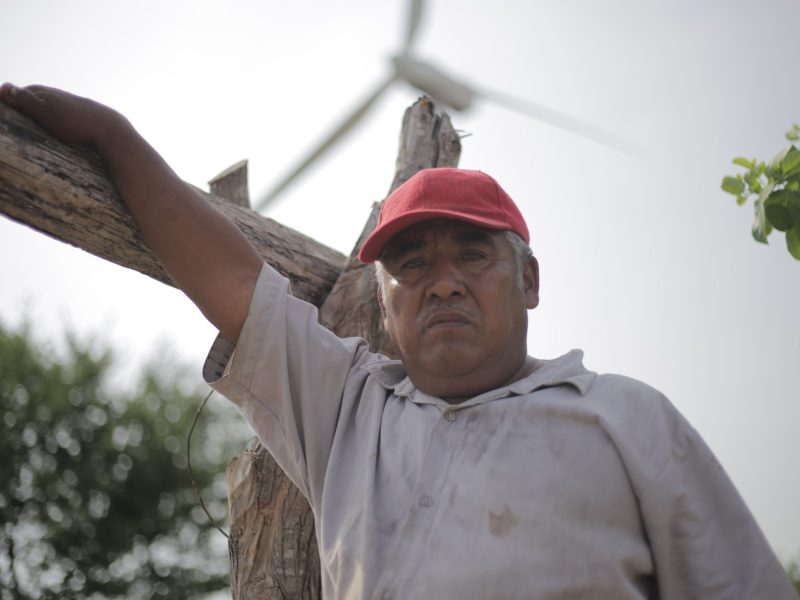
[{"x": 189, "y": 463}]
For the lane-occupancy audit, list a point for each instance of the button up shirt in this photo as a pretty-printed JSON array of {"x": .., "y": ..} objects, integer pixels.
[{"x": 564, "y": 484}]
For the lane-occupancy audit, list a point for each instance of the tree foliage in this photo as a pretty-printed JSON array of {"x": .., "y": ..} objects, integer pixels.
[
  {"x": 95, "y": 498},
  {"x": 776, "y": 189},
  {"x": 793, "y": 570}
]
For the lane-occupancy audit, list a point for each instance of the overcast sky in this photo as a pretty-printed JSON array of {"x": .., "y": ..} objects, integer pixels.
[{"x": 646, "y": 264}]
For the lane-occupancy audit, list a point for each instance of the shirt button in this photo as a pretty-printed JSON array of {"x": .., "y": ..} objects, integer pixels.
[
  {"x": 426, "y": 501},
  {"x": 387, "y": 595},
  {"x": 450, "y": 415}
]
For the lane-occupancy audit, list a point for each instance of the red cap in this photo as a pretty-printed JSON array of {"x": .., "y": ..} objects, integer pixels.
[{"x": 446, "y": 193}]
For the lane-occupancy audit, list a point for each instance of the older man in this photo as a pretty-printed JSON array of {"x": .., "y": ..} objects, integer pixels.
[{"x": 466, "y": 469}]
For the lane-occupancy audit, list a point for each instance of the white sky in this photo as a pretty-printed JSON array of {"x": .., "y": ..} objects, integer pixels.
[{"x": 645, "y": 264}]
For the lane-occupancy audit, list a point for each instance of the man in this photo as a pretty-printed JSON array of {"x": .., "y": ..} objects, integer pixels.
[{"x": 466, "y": 469}]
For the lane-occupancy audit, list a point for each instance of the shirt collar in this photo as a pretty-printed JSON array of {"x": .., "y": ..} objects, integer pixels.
[{"x": 564, "y": 370}]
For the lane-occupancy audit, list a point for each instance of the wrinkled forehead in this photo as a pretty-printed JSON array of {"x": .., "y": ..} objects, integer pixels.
[{"x": 420, "y": 235}]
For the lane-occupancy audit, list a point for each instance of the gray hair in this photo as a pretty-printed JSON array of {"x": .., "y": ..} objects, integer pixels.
[
  {"x": 522, "y": 251},
  {"x": 522, "y": 254}
]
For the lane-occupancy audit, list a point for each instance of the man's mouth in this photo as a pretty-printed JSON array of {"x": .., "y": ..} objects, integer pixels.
[{"x": 444, "y": 319}]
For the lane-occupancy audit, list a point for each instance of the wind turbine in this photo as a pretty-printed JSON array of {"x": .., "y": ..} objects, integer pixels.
[{"x": 444, "y": 90}]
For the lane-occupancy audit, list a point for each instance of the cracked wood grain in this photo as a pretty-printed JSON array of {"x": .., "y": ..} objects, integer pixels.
[{"x": 65, "y": 192}]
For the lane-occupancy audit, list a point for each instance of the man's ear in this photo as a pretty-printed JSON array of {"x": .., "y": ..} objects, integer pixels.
[{"x": 530, "y": 281}]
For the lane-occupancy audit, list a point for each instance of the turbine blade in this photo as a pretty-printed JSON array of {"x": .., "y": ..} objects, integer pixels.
[
  {"x": 337, "y": 134},
  {"x": 566, "y": 122},
  {"x": 414, "y": 17}
]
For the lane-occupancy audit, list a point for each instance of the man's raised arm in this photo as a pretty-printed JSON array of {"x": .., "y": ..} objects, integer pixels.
[{"x": 206, "y": 255}]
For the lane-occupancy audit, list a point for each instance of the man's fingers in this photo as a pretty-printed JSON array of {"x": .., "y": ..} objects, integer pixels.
[
  {"x": 8, "y": 93},
  {"x": 22, "y": 99},
  {"x": 14, "y": 95}
]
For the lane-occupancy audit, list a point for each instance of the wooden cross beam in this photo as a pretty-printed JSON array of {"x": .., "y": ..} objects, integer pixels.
[{"x": 65, "y": 193}]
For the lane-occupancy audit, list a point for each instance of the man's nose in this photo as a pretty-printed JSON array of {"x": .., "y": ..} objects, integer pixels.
[{"x": 444, "y": 280}]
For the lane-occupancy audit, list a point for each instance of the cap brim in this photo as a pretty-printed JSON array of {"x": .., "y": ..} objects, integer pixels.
[{"x": 377, "y": 240}]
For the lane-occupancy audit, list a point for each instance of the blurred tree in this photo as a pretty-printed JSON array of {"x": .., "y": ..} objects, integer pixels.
[
  {"x": 776, "y": 189},
  {"x": 793, "y": 570},
  {"x": 95, "y": 497}
]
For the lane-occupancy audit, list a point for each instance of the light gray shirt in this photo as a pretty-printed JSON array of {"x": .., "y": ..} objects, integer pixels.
[{"x": 564, "y": 484}]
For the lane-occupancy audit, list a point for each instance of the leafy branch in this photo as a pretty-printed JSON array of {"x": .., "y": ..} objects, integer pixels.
[{"x": 776, "y": 189}]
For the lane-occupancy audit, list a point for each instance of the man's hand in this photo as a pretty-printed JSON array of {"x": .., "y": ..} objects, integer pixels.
[
  {"x": 206, "y": 255},
  {"x": 70, "y": 118}
]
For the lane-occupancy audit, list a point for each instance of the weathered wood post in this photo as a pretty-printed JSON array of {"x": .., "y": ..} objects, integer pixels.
[
  {"x": 65, "y": 193},
  {"x": 231, "y": 185}
]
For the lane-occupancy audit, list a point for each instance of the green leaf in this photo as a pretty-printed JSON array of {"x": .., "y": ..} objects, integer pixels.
[
  {"x": 791, "y": 162},
  {"x": 743, "y": 162},
  {"x": 782, "y": 209},
  {"x": 792, "y": 135},
  {"x": 732, "y": 185},
  {"x": 793, "y": 242},
  {"x": 753, "y": 183},
  {"x": 776, "y": 163}
]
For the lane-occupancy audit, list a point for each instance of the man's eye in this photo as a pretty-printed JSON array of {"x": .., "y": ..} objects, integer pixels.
[
  {"x": 473, "y": 255},
  {"x": 413, "y": 263}
]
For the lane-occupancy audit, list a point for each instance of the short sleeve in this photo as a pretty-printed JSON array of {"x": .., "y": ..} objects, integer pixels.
[{"x": 287, "y": 376}]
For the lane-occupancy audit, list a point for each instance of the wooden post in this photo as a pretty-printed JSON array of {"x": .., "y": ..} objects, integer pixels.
[
  {"x": 427, "y": 140},
  {"x": 231, "y": 184},
  {"x": 65, "y": 192},
  {"x": 272, "y": 543}
]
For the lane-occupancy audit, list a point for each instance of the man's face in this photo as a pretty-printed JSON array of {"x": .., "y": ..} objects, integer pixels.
[{"x": 455, "y": 307}]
